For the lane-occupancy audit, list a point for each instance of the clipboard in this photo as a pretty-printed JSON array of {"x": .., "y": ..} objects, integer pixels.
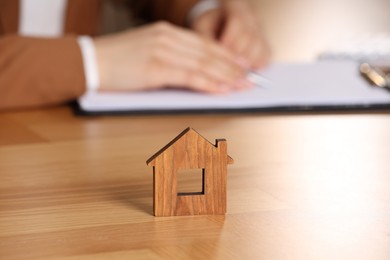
[{"x": 321, "y": 85}]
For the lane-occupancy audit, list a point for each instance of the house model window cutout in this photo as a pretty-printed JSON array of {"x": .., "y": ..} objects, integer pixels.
[
  {"x": 190, "y": 182},
  {"x": 190, "y": 151}
]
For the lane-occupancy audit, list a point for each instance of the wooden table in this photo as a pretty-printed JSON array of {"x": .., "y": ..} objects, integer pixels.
[{"x": 306, "y": 186}]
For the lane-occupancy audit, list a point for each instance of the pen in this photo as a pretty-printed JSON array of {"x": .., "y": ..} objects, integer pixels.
[{"x": 258, "y": 79}]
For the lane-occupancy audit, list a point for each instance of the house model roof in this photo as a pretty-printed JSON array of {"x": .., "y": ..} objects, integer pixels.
[{"x": 188, "y": 131}]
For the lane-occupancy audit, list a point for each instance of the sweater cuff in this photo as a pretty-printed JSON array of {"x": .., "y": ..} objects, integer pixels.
[
  {"x": 200, "y": 8},
  {"x": 91, "y": 71}
]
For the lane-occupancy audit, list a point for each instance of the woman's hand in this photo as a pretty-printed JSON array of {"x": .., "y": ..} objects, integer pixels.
[
  {"x": 236, "y": 26},
  {"x": 161, "y": 55}
]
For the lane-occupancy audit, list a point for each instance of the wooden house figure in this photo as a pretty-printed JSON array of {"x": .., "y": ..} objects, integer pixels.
[{"x": 189, "y": 150}]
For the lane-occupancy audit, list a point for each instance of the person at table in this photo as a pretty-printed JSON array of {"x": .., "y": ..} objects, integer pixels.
[{"x": 52, "y": 52}]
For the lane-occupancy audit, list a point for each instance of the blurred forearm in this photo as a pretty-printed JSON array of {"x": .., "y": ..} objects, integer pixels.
[{"x": 38, "y": 71}]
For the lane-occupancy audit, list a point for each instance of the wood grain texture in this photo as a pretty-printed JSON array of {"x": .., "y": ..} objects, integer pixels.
[
  {"x": 307, "y": 186},
  {"x": 190, "y": 150},
  {"x": 11, "y": 132}
]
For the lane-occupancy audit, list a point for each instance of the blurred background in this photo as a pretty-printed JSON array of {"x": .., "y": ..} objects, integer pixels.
[{"x": 301, "y": 30}]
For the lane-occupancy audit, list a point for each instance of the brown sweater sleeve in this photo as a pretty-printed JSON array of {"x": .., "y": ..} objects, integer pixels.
[
  {"x": 38, "y": 72},
  {"x": 174, "y": 11}
]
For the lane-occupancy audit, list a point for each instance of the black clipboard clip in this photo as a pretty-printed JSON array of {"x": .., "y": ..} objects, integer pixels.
[{"x": 377, "y": 75}]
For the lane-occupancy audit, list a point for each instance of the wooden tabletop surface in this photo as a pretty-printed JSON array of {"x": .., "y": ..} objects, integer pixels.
[{"x": 306, "y": 186}]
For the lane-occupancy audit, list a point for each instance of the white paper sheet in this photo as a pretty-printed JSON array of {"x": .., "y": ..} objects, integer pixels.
[{"x": 326, "y": 83}]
